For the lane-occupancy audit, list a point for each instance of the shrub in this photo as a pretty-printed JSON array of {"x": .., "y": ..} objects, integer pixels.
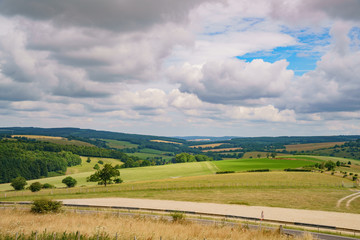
[
  {"x": 35, "y": 187},
  {"x": 259, "y": 170},
  {"x": 354, "y": 178},
  {"x": 96, "y": 167},
  {"x": 48, "y": 185},
  {"x": 88, "y": 160},
  {"x": 69, "y": 181},
  {"x": 225, "y": 172},
  {"x": 45, "y": 206},
  {"x": 101, "y": 162},
  {"x": 296, "y": 170},
  {"x": 18, "y": 183},
  {"x": 118, "y": 180},
  {"x": 177, "y": 216}
]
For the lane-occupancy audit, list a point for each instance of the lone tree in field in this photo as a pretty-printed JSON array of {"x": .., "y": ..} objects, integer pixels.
[
  {"x": 18, "y": 183},
  {"x": 106, "y": 175},
  {"x": 69, "y": 181}
]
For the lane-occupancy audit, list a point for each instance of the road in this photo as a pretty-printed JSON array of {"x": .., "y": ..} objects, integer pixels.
[{"x": 335, "y": 219}]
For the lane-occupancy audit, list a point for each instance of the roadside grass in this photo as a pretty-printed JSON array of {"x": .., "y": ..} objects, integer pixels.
[
  {"x": 300, "y": 190},
  {"x": 119, "y": 144},
  {"x": 71, "y": 225},
  {"x": 56, "y": 140}
]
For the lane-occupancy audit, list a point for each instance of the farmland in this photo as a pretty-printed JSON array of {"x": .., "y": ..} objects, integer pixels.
[
  {"x": 163, "y": 141},
  {"x": 311, "y": 146},
  {"x": 212, "y": 145},
  {"x": 196, "y": 181},
  {"x": 56, "y": 140},
  {"x": 222, "y": 149},
  {"x": 119, "y": 144}
]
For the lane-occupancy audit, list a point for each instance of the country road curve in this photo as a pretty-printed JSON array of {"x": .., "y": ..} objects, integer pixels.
[{"x": 336, "y": 219}]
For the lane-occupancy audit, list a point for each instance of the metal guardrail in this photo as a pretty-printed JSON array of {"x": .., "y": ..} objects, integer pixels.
[{"x": 203, "y": 214}]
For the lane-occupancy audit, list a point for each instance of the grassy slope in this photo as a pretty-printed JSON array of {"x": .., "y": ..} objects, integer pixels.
[
  {"x": 262, "y": 163},
  {"x": 197, "y": 182},
  {"x": 277, "y": 189},
  {"x": 119, "y": 144}
]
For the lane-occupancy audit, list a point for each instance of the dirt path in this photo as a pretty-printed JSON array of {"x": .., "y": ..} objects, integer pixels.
[
  {"x": 352, "y": 197},
  {"x": 343, "y": 220}
]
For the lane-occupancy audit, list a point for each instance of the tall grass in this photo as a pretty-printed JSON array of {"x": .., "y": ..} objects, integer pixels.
[{"x": 89, "y": 226}]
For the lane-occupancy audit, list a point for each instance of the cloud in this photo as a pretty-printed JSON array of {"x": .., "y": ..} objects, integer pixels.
[
  {"x": 305, "y": 12},
  {"x": 234, "y": 81},
  {"x": 334, "y": 85},
  {"x": 123, "y": 15}
]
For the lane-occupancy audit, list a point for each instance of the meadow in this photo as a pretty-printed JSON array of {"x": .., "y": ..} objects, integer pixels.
[
  {"x": 119, "y": 144},
  {"x": 197, "y": 181}
]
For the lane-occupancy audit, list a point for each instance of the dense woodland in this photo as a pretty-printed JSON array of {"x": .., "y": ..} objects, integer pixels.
[{"x": 21, "y": 158}]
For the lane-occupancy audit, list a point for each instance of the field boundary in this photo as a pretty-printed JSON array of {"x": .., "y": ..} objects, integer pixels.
[{"x": 224, "y": 216}]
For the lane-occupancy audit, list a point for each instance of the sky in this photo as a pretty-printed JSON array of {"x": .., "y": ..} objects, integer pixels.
[{"x": 182, "y": 68}]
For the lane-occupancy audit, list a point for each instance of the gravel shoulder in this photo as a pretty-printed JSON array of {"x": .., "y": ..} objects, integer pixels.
[{"x": 336, "y": 219}]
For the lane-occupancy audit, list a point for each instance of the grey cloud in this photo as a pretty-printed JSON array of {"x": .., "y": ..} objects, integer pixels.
[
  {"x": 118, "y": 15},
  {"x": 314, "y": 11},
  {"x": 79, "y": 93},
  {"x": 18, "y": 92}
]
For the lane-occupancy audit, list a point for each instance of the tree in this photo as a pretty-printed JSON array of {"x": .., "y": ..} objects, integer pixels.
[
  {"x": 106, "y": 175},
  {"x": 88, "y": 160},
  {"x": 35, "y": 187},
  {"x": 330, "y": 165},
  {"x": 273, "y": 154},
  {"x": 18, "y": 183},
  {"x": 69, "y": 181}
]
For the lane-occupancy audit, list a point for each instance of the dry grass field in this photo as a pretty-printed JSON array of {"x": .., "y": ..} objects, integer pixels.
[
  {"x": 57, "y": 140},
  {"x": 311, "y": 146},
  {"x": 208, "y": 145},
  {"x": 125, "y": 227},
  {"x": 162, "y": 141},
  {"x": 222, "y": 149}
]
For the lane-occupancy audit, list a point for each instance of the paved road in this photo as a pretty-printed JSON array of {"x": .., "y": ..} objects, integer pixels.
[{"x": 335, "y": 219}]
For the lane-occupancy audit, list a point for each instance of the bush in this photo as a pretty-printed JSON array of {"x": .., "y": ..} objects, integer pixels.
[
  {"x": 118, "y": 180},
  {"x": 18, "y": 183},
  {"x": 296, "y": 170},
  {"x": 45, "y": 206},
  {"x": 354, "y": 178},
  {"x": 96, "y": 166},
  {"x": 48, "y": 185},
  {"x": 259, "y": 170},
  {"x": 225, "y": 172},
  {"x": 35, "y": 187},
  {"x": 88, "y": 160},
  {"x": 101, "y": 162},
  {"x": 69, "y": 181},
  {"x": 177, "y": 216}
]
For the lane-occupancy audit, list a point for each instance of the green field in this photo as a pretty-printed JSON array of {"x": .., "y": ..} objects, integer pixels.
[
  {"x": 262, "y": 163},
  {"x": 119, "y": 144},
  {"x": 89, "y": 167},
  {"x": 197, "y": 181},
  {"x": 276, "y": 189},
  {"x": 151, "y": 153}
]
